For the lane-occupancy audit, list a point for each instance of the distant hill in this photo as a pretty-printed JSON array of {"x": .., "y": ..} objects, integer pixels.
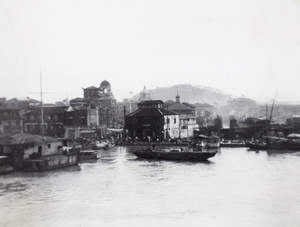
[
  {"x": 222, "y": 104},
  {"x": 191, "y": 94}
]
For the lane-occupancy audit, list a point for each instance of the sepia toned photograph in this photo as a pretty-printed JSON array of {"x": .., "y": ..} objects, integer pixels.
[{"x": 139, "y": 113}]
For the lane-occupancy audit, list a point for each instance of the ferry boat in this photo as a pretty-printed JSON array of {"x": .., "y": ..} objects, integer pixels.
[
  {"x": 176, "y": 154},
  {"x": 195, "y": 152}
]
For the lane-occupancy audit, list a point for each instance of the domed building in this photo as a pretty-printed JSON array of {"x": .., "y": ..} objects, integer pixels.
[
  {"x": 144, "y": 94},
  {"x": 101, "y": 96},
  {"x": 101, "y": 99},
  {"x": 105, "y": 88}
]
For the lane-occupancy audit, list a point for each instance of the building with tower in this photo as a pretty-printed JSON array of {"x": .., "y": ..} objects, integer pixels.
[
  {"x": 186, "y": 112},
  {"x": 99, "y": 102}
]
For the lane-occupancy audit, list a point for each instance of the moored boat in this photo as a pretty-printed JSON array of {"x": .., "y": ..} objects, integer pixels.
[
  {"x": 257, "y": 145},
  {"x": 5, "y": 164},
  {"x": 100, "y": 145},
  {"x": 233, "y": 143},
  {"x": 89, "y": 154},
  {"x": 38, "y": 163},
  {"x": 290, "y": 142},
  {"x": 176, "y": 154},
  {"x": 29, "y": 152},
  {"x": 109, "y": 145}
]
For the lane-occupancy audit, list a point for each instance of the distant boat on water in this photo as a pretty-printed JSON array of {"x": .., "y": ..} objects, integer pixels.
[
  {"x": 233, "y": 143},
  {"x": 176, "y": 154},
  {"x": 103, "y": 144},
  {"x": 195, "y": 152},
  {"x": 290, "y": 142}
]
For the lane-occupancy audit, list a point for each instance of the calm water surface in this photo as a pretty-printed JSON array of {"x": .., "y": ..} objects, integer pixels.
[{"x": 236, "y": 188}]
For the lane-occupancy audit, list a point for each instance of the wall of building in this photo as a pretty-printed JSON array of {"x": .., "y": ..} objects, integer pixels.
[{"x": 171, "y": 127}]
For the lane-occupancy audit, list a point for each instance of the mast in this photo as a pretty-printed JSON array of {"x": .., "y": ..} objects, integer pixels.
[
  {"x": 42, "y": 105},
  {"x": 272, "y": 111},
  {"x": 273, "y": 106}
]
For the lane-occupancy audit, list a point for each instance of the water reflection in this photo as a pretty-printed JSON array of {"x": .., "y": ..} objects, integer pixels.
[{"x": 12, "y": 187}]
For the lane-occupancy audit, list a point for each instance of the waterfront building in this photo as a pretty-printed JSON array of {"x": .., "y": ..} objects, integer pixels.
[
  {"x": 130, "y": 104},
  {"x": 10, "y": 120},
  {"x": 80, "y": 121},
  {"x": 180, "y": 108},
  {"x": 100, "y": 103},
  {"x": 22, "y": 103},
  {"x": 294, "y": 122},
  {"x": 2, "y": 101},
  {"x": 186, "y": 112},
  {"x": 151, "y": 122},
  {"x": 53, "y": 121},
  {"x": 188, "y": 126}
]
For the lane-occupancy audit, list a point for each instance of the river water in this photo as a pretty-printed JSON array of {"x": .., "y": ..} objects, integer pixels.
[{"x": 237, "y": 187}]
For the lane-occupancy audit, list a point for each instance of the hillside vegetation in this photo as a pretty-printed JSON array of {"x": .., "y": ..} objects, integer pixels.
[{"x": 191, "y": 94}]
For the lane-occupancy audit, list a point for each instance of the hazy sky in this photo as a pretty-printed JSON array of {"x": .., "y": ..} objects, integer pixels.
[{"x": 245, "y": 48}]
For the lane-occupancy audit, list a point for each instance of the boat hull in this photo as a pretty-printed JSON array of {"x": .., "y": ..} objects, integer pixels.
[
  {"x": 175, "y": 155},
  {"x": 257, "y": 146},
  {"x": 233, "y": 145},
  {"x": 50, "y": 162}
]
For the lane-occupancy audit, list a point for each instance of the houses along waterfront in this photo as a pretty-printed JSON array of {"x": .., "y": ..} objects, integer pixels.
[{"x": 97, "y": 115}]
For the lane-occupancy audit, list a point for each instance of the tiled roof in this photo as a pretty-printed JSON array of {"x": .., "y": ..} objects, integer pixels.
[
  {"x": 77, "y": 99},
  {"x": 92, "y": 87},
  {"x": 151, "y": 112},
  {"x": 188, "y": 104},
  {"x": 49, "y": 110},
  {"x": 178, "y": 106},
  {"x": 149, "y": 102},
  {"x": 186, "y": 116}
]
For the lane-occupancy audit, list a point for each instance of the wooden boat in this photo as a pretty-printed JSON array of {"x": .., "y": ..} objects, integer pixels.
[
  {"x": 109, "y": 145},
  {"x": 257, "y": 145},
  {"x": 38, "y": 163},
  {"x": 5, "y": 164},
  {"x": 89, "y": 154},
  {"x": 176, "y": 154},
  {"x": 99, "y": 145}
]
